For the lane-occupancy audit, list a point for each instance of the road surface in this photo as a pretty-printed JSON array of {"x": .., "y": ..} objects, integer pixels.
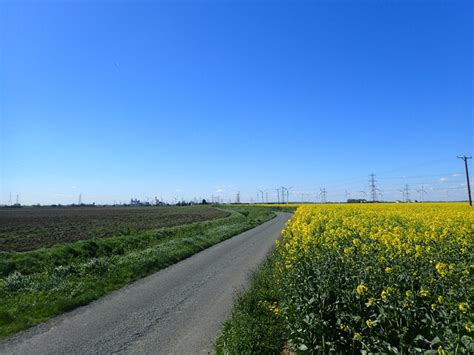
[{"x": 178, "y": 310}]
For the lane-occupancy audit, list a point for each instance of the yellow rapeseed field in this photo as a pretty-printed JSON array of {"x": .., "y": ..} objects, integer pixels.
[{"x": 378, "y": 277}]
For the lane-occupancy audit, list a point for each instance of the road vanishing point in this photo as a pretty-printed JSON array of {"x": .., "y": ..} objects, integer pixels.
[{"x": 178, "y": 310}]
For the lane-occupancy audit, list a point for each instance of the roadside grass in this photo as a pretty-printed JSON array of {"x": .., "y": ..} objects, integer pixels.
[
  {"x": 255, "y": 325},
  {"x": 37, "y": 285}
]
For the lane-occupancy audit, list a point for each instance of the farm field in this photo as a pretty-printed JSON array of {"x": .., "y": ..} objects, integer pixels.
[
  {"x": 379, "y": 278},
  {"x": 23, "y": 229},
  {"x": 38, "y": 284}
]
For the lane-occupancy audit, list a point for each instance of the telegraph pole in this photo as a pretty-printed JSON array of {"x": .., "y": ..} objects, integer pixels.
[
  {"x": 278, "y": 195},
  {"x": 465, "y": 158}
]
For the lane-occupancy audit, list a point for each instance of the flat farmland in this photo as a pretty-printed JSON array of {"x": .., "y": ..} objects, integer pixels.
[
  {"x": 54, "y": 260},
  {"x": 27, "y": 229}
]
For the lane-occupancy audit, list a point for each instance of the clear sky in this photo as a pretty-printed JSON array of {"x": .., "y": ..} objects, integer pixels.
[{"x": 121, "y": 99}]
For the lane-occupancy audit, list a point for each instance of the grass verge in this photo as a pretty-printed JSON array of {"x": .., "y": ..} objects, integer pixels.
[
  {"x": 37, "y": 285},
  {"x": 255, "y": 326}
]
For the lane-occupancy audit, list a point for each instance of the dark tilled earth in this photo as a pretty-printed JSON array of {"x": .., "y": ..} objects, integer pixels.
[{"x": 24, "y": 229}]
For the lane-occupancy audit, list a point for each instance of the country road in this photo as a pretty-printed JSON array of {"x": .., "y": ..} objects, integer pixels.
[{"x": 179, "y": 310}]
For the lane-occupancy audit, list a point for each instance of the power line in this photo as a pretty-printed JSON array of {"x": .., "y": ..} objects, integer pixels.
[
  {"x": 322, "y": 193},
  {"x": 465, "y": 158},
  {"x": 447, "y": 188},
  {"x": 422, "y": 191},
  {"x": 406, "y": 192},
  {"x": 287, "y": 190},
  {"x": 373, "y": 187},
  {"x": 283, "y": 189},
  {"x": 451, "y": 174}
]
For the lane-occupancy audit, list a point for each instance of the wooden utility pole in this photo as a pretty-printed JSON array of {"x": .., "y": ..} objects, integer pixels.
[{"x": 465, "y": 158}]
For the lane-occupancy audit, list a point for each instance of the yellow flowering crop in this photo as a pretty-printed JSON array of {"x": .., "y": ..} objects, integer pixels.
[
  {"x": 463, "y": 307},
  {"x": 361, "y": 289},
  {"x": 424, "y": 293},
  {"x": 406, "y": 267}
]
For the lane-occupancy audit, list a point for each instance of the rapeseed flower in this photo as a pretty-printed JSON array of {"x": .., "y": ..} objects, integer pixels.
[
  {"x": 463, "y": 307},
  {"x": 469, "y": 326},
  {"x": 361, "y": 289},
  {"x": 424, "y": 293}
]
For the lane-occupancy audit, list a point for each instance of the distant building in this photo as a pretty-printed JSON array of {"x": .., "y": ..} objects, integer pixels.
[{"x": 357, "y": 200}]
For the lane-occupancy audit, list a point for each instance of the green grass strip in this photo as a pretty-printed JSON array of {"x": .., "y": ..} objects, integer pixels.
[{"x": 255, "y": 325}]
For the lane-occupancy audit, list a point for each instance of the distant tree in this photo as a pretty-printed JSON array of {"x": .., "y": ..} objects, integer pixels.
[{"x": 204, "y": 202}]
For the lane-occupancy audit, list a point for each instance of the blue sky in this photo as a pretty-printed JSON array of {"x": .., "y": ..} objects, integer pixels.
[{"x": 120, "y": 99}]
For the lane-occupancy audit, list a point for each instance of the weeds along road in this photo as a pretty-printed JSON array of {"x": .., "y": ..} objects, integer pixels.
[{"x": 179, "y": 310}]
